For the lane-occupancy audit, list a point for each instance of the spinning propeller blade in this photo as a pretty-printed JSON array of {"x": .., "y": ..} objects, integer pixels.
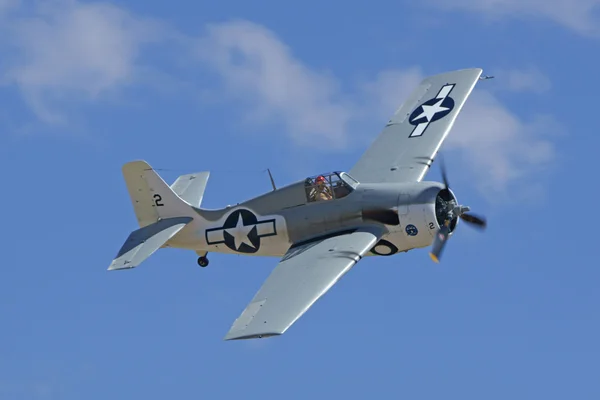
[
  {"x": 443, "y": 234},
  {"x": 474, "y": 220},
  {"x": 439, "y": 242},
  {"x": 443, "y": 170}
]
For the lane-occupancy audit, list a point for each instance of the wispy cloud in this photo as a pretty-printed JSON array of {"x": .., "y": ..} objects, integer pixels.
[
  {"x": 390, "y": 88},
  {"x": 581, "y": 16},
  {"x": 261, "y": 71},
  {"x": 502, "y": 150},
  {"x": 66, "y": 50}
]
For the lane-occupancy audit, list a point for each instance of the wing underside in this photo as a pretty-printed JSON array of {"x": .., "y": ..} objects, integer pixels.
[
  {"x": 405, "y": 149},
  {"x": 304, "y": 274}
]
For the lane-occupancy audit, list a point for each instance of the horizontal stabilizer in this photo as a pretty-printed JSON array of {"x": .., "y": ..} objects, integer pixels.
[
  {"x": 191, "y": 187},
  {"x": 143, "y": 242}
]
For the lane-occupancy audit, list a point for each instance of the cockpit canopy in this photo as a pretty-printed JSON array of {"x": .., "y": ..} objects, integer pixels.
[{"x": 329, "y": 186}]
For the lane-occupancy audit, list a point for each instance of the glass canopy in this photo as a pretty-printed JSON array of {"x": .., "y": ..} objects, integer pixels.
[{"x": 329, "y": 186}]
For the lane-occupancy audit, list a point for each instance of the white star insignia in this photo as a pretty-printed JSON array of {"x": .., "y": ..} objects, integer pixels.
[
  {"x": 240, "y": 233},
  {"x": 430, "y": 111}
]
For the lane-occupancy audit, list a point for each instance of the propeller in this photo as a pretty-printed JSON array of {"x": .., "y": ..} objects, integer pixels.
[
  {"x": 474, "y": 220},
  {"x": 457, "y": 211}
]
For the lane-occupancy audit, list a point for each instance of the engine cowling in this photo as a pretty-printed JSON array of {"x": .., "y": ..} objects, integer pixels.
[{"x": 420, "y": 210}]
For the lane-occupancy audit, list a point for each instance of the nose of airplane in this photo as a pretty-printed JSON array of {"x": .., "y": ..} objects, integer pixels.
[{"x": 448, "y": 213}]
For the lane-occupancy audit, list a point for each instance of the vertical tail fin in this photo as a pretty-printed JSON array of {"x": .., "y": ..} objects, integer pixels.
[
  {"x": 191, "y": 187},
  {"x": 151, "y": 197}
]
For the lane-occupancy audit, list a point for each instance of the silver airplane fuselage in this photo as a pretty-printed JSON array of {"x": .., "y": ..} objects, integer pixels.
[{"x": 269, "y": 224}]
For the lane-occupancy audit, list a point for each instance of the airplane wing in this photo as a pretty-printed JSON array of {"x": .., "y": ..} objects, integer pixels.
[
  {"x": 303, "y": 275},
  {"x": 406, "y": 147}
]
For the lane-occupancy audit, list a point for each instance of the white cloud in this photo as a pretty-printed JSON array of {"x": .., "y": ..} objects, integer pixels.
[
  {"x": 67, "y": 49},
  {"x": 260, "y": 70},
  {"x": 500, "y": 148},
  {"x": 582, "y": 16},
  {"x": 390, "y": 88}
]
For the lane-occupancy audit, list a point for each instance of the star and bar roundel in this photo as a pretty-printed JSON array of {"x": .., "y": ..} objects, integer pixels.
[
  {"x": 431, "y": 110},
  {"x": 242, "y": 231}
]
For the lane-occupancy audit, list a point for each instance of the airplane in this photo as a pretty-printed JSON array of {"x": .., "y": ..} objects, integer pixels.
[{"x": 321, "y": 226}]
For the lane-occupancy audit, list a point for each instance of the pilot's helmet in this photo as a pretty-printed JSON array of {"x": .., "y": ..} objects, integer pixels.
[{"x": 320, "y": 179}]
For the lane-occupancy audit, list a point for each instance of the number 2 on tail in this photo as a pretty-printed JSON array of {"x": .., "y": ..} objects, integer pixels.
[{"x": 157, "y": 200}]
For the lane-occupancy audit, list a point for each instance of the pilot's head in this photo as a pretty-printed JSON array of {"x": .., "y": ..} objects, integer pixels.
[{"x": 320, "y": 180}]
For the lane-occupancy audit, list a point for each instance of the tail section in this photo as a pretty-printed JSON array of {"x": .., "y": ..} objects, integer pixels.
[
  {"x": 143, "y": 242},
  {"x": 191, "y": 187},
  {"x": 151, "y": 197},
  {"x": 160, "y": 210}
]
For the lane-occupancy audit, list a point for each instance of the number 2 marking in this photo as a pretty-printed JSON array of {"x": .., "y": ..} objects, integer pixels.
[
  {"x": 157, "y": 200},
  {"x": 431, "y": 226}
]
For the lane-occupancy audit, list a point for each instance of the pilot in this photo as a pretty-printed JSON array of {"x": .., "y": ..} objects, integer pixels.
[{"x": 323, "y": 192}]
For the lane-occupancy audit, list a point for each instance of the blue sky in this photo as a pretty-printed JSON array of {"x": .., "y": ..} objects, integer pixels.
[{"x": 236, "y": 87}]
